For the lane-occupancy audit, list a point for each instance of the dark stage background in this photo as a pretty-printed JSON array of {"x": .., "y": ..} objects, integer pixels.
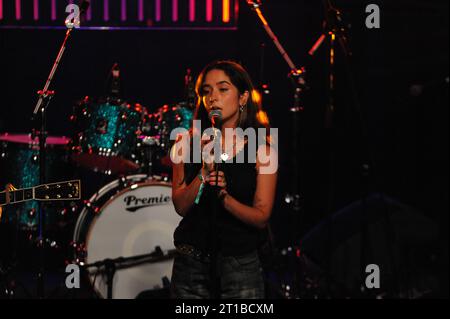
[{"x": 400, "y": 73}]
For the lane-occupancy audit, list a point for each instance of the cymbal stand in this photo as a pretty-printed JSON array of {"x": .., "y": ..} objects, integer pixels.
[
  {"x": 40, "y": 109},
  {"x": 294, "y": 198}
]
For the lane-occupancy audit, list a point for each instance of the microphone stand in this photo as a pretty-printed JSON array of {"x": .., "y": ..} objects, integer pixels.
[
  {"x": 214, "y": 267},
  {"x": 42, "y": 104},
  {"x": 293, "y": 198},
  {"x": 112, "y": 265}
]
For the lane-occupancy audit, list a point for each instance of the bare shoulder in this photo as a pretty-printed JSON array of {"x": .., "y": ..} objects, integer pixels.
[{"x": 267, "y": 159}]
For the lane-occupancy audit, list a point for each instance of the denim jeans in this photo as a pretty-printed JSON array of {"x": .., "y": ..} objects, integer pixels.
[{"x": 240, "y": 277}]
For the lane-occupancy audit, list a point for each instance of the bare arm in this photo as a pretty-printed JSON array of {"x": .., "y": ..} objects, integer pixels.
[
  {"x": 259, "y": 213},
  {"x": 183, "y": 195}
]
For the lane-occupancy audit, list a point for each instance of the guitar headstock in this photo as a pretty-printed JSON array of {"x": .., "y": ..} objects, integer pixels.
[{"x": 69, "y": 190}]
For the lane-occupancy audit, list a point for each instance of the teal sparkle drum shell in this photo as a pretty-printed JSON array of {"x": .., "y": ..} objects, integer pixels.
[
  {"x": 19, "y": 166},
  {"x": 169, "y": 118},
  {"x": 106, "y": 135}
]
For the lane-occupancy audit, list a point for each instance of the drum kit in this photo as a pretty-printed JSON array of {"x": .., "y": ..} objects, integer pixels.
[{"x": 130, "y": 213}]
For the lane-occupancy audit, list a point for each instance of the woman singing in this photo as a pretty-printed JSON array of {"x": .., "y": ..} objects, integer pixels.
[{"x": 225, "y": 208}]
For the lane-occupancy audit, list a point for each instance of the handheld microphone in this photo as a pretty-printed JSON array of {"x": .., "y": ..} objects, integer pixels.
[{"x": 215, "y": 116}]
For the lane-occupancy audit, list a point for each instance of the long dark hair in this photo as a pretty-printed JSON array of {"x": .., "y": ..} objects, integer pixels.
[{"x": 241, "y": 80}]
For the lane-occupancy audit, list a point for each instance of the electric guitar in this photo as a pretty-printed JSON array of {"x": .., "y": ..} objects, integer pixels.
[{"x": 69, "y": 190}]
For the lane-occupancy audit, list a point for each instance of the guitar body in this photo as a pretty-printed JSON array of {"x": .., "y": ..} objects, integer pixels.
[
  {"x": 19, "y": 165},
  {"x": 19, "y": 223}
]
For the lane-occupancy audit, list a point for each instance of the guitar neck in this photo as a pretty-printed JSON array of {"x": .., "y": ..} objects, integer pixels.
[
  {"x": 17, "y": 196},
  {"x": 68, "y": 190}
]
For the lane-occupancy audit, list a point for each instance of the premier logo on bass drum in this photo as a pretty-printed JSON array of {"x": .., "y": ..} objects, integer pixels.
[{"x": 134, "y": 203}]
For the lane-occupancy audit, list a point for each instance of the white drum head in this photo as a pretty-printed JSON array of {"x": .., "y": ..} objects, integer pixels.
[{"x": 133, "y": 222}]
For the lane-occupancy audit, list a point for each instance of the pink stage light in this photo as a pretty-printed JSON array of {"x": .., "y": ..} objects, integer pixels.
[
  {"x": 106, "y": 10},
  {"x": 192, "y": 10},
  {"x": 174, "y": 10},
  {"x": 123, "y": 10},
  {"x": 36, "y": 10},
  {"x": 18, "y": 10},
  {"x": 141, "y": 10},
  {"x": 1, "y": 9},
  {"x": 158, "y": 10},
  {"x": 209, "y": 10}
]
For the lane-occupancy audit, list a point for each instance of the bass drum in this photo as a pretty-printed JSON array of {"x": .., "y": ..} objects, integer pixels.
[{"x": 129, "y": 217}]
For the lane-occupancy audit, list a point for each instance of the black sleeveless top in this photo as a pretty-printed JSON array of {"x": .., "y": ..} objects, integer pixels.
[{"x": 234, "y": 237}]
